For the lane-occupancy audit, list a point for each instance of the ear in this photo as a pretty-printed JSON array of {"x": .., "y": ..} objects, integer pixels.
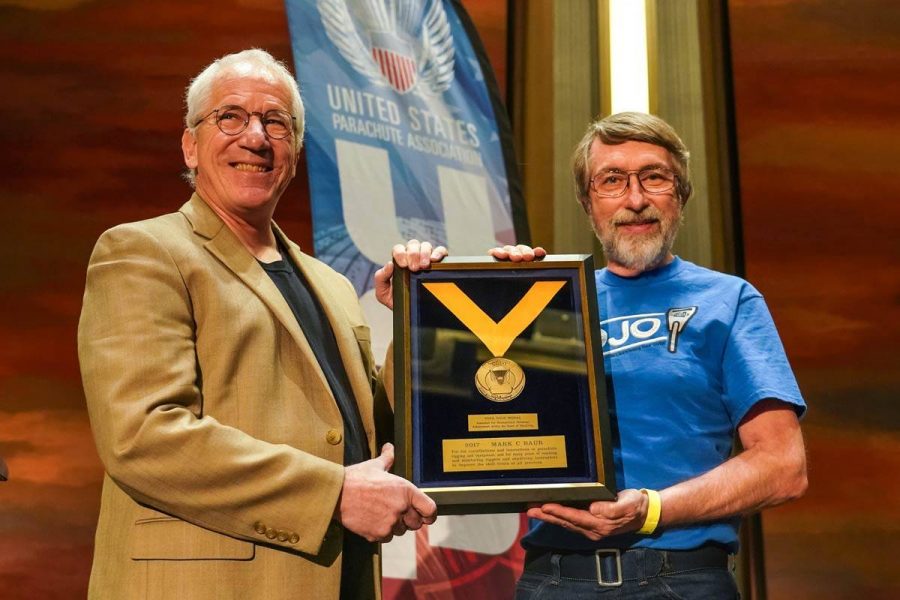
[
  {"x": 189, "y": 149},
  {"x": 586, "y": 205}
]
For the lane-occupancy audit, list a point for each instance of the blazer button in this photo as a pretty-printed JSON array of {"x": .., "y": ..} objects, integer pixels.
[
  {"x": 282, "y": 535},
  {"x": 259, "y": 527},
  {"x": 333, "y": 437},
  {"x": 270, "y": 533},
  {"x": 294, "y": 538}
]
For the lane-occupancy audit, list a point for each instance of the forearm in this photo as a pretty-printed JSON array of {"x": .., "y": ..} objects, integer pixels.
[
  {"x": 214, "y": 475},
  {"x": 744, "y": 484},
  {"x": 220, "y": 477},
  {"x": 770, "y": 471}
]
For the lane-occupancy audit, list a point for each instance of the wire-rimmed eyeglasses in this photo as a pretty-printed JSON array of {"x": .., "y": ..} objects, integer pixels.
[
  {"x": 613, "y": 183},
  {"x": 232, "y": 120}
]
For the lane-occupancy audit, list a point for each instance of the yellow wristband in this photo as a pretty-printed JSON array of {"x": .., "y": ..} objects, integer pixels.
[{"x": 654, "y": 508}]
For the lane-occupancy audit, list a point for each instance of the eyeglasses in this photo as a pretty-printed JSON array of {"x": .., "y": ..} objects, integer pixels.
[
  {"x": 613, "y": 183},
  {"x": 232, "y": 120}
]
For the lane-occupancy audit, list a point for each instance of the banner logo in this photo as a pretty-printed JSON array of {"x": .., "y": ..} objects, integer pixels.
[{"x": 398, "y": 44}]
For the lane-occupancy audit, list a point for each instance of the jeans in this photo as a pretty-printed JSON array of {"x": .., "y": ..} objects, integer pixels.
[{"x": 653, "y": 582}]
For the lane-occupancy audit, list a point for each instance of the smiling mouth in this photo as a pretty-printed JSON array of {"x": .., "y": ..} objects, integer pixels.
[
  {"x": 642, "y": 222},
  {"x": 248, "y": 168}
]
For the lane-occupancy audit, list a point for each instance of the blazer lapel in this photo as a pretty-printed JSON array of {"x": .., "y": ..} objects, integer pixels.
[
  {"x": 346, "y": 340},
  {"x": 225, "y": 246}
]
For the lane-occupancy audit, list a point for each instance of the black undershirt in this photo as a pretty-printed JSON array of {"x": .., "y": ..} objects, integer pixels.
[{"x": 356, "y": 573}]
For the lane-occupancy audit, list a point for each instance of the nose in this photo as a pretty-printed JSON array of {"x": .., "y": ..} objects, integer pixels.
[
  {"x": 635, "y": 199},
  {"x": 254, "y": 137}
]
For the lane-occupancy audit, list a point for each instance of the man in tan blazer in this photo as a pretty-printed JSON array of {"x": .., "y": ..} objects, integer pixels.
[{"x": 225, "y": 417}]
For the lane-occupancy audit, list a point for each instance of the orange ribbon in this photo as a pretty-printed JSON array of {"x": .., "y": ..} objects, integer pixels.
[{"x": 498, "y": 337}]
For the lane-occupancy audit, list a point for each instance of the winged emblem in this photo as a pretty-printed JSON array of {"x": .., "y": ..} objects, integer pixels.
[{"x": 403, "y": 44}]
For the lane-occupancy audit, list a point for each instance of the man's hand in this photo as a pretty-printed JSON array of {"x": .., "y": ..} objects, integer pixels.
[
  {"x": 520, "y": 253},
  {"x": 415, "y": 256},
  {"x": 378, "y": 505},
  {"x": 602, "y": 519}
]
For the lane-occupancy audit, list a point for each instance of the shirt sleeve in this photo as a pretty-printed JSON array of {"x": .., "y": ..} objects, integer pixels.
[{"x": 755, "y": 366}]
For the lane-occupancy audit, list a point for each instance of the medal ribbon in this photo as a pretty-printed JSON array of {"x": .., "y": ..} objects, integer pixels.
[{"x": 498, "y": 337}]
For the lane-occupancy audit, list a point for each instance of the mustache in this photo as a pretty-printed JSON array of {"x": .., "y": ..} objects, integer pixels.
[{"x": 627, "y": 217}]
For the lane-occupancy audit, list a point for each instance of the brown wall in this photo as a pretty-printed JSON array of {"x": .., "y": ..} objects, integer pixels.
[{"x": 817, "y": 86}]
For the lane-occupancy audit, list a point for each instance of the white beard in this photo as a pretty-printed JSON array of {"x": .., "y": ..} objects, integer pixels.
[{"x": 638, "y": 252}]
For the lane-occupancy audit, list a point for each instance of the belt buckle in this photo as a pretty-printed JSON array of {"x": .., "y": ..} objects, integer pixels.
[{"x": 615, "y": 552}]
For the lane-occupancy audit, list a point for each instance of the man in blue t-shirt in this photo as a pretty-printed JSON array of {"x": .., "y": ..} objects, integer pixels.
[{"x": 691, "y": 356}]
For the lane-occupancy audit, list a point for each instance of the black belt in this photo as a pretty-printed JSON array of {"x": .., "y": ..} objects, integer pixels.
[{"x": 610, "y": 567}]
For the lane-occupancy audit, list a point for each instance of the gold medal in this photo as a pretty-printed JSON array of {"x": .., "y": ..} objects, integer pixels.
[{"x": 500, "y": 380}]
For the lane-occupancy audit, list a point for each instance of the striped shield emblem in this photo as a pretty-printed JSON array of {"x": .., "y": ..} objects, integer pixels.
[{"x": 395, "y": 61}]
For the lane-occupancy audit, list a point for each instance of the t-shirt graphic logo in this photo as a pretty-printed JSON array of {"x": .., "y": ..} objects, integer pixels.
[
  {"x": 676, "y": 319},
  {"x": 404, "y": 44},
  {"x": 621, "y": 334}
]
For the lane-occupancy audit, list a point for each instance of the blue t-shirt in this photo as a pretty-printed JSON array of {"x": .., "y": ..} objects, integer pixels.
[{"x": 687, "y": 351}]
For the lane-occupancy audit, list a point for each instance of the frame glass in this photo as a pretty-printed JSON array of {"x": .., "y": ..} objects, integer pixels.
[{"x": 500, "y": 394}]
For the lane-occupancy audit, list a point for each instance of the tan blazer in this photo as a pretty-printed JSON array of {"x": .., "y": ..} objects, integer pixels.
[{"x": 221, "y": 439}]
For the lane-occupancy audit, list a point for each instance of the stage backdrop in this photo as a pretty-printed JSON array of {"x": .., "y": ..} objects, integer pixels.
[{"x": 817, "y": 84}]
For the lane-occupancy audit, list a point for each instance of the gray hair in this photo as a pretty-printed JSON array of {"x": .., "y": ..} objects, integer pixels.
[
  {"x": 625, "y": 127},
  {"x": 252, "y": 63}
]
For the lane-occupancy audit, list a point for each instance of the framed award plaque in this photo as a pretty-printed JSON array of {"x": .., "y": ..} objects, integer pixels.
[{"x": 500, "y": 396}]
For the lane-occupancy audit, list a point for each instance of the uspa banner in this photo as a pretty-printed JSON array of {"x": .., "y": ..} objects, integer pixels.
[{"x": 406, "y": 137}]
